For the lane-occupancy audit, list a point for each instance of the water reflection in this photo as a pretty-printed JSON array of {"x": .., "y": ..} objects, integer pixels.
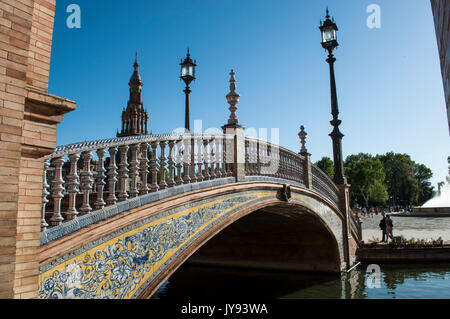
[{"x": 397, "y": 281}]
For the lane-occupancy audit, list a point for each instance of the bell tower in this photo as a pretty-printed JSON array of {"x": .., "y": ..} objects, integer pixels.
[{"x": 134, "y": 118}]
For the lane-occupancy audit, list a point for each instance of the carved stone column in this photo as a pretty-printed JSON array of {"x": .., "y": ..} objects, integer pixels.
[
  {"x": 72, "y": 187},
  {"x": 57, "y": 190},
  {"x": 179, "y": 163},
  {"x": 212, "y": 159},
  {"x": 187, "y": 160},
  {"x": 143, "y": 188},
  {"x": 154, "y": 168},
  {"x": 100, "y": 179},
  {"x": 219, "y": 157},
  {"x": 162, "y": 165},
  {"x": 171, "y": 182},
  {"x": 86, "y": 182},
  {"x": 235, "y": 151},
  {"x": 193, "y": 176},
  {"x": 134, "y": 170},
  {"x": 200, "y": 176},
  {"x": 123, "y": 173},
  {"x": 112, "y": 177},
  {"x": 45, "y": 193}
]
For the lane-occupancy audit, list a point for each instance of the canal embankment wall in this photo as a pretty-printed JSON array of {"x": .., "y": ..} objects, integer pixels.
[{"x": 390, "y": 254}]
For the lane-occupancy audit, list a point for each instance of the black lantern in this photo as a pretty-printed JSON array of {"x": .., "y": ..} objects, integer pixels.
[
  {"x": 329, "y": 33},
  {"x": 187, "y": 75},
  {"x": 188, "y": 69},
  {"x": 329, "y": 41}
]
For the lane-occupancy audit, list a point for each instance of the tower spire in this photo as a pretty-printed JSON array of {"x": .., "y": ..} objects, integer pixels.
[{"x": 135, "y": 118}]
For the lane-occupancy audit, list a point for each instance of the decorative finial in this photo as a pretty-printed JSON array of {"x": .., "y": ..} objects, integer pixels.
[
  {"x": 188, "y": 53},
  {"x": 328, "y": 15},
  {"x": 136, "y": 64},
  {"x": 303, "y": 135},
  {"x": 233, "y": 100}
]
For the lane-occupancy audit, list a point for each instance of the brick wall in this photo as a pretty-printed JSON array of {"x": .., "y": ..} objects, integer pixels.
[
  {"x": 28, "y": 120},
  {"x": 441, "y": 13}
]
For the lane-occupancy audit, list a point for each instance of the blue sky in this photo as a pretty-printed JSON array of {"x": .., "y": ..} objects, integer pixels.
[{"x": 389, "y": 82}]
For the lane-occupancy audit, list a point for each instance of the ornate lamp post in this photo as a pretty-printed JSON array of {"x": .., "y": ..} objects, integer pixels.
[
  {"x": 187, "y": 75},
  {"x": 329, "y": 42}
]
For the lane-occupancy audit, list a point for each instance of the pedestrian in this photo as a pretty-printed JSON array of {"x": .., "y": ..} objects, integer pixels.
[
  {"x": 376, "y": 210},
  {"x": 364, "y": 211},
  {"x": 383, "y": 227},
  {"x": 389, "y": 227}
]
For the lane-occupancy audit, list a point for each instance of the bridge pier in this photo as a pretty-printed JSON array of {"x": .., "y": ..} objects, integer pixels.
[
  {"x": 350, "y": 243},
  {"x": 28, "y": 120}
]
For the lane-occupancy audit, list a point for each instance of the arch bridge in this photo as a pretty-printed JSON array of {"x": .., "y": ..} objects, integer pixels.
[{"x": 121, "y": 215}]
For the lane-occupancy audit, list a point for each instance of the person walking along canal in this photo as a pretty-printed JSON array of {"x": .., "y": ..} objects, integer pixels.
[
  {"x": 383, "y": 227},
  {"x": 389, "y": 227}
]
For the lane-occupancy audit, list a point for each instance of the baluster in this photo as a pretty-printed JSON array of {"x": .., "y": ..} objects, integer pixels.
[
  {"x": 57, "y": 190},
  {"x": 112, "y": 176},
  {"x": 218, "y": 158},
  {"x": 154, "y": 168},
  {"x": 258, "y": 160},
  {"x": 247, "y": 157},
  {"x": 229, "y": 156},
  {"x": 224, "y": 157},
  {"x": 45, "y": 193},
  {"x": 212, "y": 159},
  {"x": 162, "y": 165},
  {"x": 143, "y": 188},
  {"x": 252, "y": 157},
  {"x": 179, "y": 164},
  {"x": 123, "y": 173},
  {"x": 72, "y": 187},
  {"x": 100, "y": 179},
  {"x": 206, "y": 176},
  {"x": 200, "y": 176},
  {"x": 86, "y": 181},
  {"x": 278, "y": 157},
  {"x": 281, "y": 164},
  {"x": 187, "y": 160},
  {"x": 193, "y": 161},
  {"x": 255, "y": 158},
  {"x": 171, "y": 182},
  {"x": 134, "y": 170}
]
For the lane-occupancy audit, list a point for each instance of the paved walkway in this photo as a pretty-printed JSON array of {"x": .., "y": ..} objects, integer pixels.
[{"x": 409, "y": 227}]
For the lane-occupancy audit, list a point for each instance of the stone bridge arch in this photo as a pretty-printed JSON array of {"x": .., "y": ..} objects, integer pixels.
[{"x": 133, "y": 253}]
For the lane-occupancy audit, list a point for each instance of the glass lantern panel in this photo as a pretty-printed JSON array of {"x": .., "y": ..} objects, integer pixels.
[
  {"x": 191, "y": 70},
  {"x": 183, "y": 70},
  {"x": 329, "y": 35}
]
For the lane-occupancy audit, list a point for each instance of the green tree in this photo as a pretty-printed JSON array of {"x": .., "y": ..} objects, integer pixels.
[
  {"x": 423, "y": 175},
  {"x": 327, "y": 166},
  {"x": 366, "y": 176},
  {"x": 400, "y": 179}
]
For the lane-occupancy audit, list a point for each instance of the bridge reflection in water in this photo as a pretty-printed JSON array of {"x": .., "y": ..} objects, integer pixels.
[
  {"x": 397, "y": 281},
  {"x": 119, "y": 226}
]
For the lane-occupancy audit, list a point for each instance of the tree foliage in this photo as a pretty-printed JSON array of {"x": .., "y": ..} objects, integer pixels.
[
  {"x": 366, "y": 176},
  {"x": 374, "y": 179},
  {"x": 327, "y": 166}
]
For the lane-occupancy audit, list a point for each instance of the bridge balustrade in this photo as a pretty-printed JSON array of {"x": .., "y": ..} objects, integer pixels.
[
  {"x": 86, "y": 177},
  {"x": 266, "y": 159},
  {"x": 81, "y": 178}
]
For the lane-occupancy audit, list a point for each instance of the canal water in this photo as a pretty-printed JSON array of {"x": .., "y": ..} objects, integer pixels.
[
  {"x": 389, "y": 281},
  {"x": 393, "y": 281}
]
